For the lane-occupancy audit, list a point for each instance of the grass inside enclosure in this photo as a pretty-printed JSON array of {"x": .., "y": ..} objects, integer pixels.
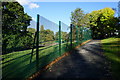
[{"x": 20, "y": 61}]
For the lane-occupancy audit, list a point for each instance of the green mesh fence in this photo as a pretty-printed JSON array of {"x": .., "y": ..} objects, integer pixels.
[
  {"x": 54, "y": 41},
  {"x": 65, "y": 38},
  {"x": 79, "y": 35}
]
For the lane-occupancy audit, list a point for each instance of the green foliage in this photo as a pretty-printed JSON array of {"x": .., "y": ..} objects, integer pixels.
[
  {"x": 103, "y": 23},
  {"x": 13, "y": 17},
  {"x": 31, "y": 30},
  {"x": 77, "y": 17},
  {"x": 14, "y": 27},
  {"x": 74, "y": 33},
  {"x": 46, "y": 35},
  {"x": 17, "y": 42},
  {"x": 42, "y": 28},
  {"x": 64, "y": 35},
  {"x": 49, "y": 35}
]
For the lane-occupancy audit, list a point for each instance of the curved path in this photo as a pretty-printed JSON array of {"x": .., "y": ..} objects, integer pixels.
[{"x": 85, "y": 62}]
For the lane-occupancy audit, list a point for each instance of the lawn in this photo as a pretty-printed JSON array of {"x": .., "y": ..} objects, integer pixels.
[
  {"x": 18, "y": 65},
  {"x": 111, "y": 47}
]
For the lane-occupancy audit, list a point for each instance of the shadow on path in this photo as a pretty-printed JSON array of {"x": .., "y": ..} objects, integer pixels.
[{"x": 86, "y": 62}]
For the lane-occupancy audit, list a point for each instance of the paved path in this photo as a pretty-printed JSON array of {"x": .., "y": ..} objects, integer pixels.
[{"x": 86, "y": 62}]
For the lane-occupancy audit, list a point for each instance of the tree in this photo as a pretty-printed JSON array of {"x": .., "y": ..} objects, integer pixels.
[
  {"x": 46, "y": 35},
  {"x": 31, "y": 30},
  {"x": 14, "y": 27},
  {"x": 77, "y": 17},
  {"x": 102, "y": 22},
  {"x": 64, "y": 36},
  {"x": 42, "y": 28},
  {"x": 42, "y": 34},
  {"x": 13, "y": 18},
  {"x": 49, "y": 35}
]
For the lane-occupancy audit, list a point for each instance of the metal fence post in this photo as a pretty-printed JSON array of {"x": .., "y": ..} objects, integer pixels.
[
  {"x": 81, "y": 34},
  {"x": 60, "y": 37},
  {"x": 90, "y": 34},
  {"x": 37, "y": 42},
  {"x": 71, "y": 35},
  {"x": 77, "y": 35}
]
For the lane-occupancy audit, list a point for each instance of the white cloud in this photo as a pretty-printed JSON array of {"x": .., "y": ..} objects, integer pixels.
[
  {"x": 30, "y": 4},
  {"x": 33, "y": 5},
  {"x": 23, "y": 2}
]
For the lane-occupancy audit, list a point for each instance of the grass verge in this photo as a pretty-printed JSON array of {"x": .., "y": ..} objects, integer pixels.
[{"x": 111, "y": 47}]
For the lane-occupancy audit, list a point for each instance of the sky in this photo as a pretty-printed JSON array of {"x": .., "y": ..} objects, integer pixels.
[{"x": 61, "y": 11}]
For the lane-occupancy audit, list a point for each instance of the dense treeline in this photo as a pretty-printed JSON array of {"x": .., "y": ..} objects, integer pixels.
[
  {"x": 102, "y": 22},
  {"x": 14, "y": 27},
  {"x": 15, "y": 32},
  {"x": 17, "y": 36},
  {"x": 48, "y": 35}
]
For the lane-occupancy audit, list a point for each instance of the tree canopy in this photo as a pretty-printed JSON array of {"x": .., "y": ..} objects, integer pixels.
[
  {"x": 31, "y": 30},
  {"x": 77, "y": 17},
  {"x": 102, "y": 22},
  {"x": 64, "y": 35},
  {"x": 14, "y": 27},
  {"x": 14, "y": 19},
  {"x": 46, "y": 35}
]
